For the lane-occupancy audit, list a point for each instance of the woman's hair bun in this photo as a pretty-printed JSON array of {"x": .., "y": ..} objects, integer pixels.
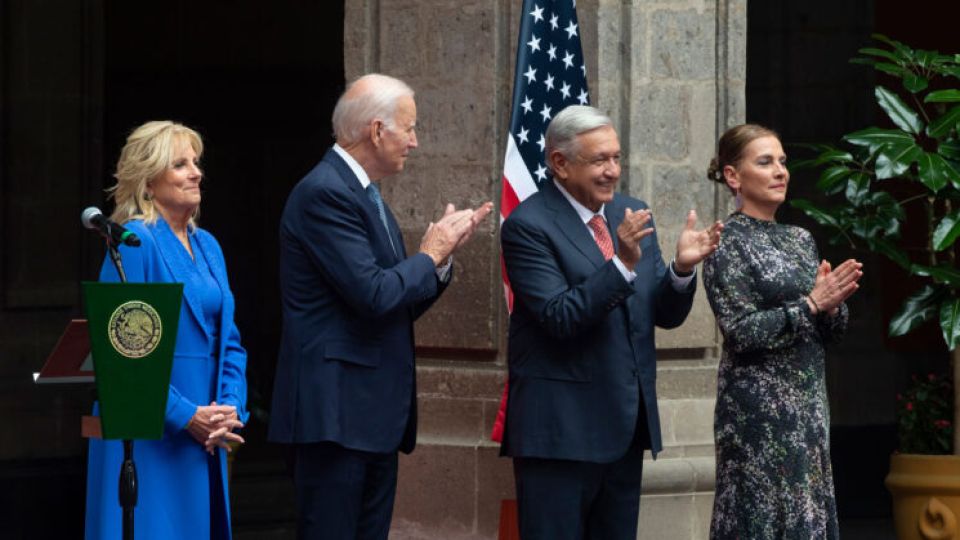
[{"x": 714, "y": 171}]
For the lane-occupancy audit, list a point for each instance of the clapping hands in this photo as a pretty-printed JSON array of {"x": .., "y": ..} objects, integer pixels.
[
  {"x": 452, "y": 231},
  {"x": 694, "y": 246},
  {"x": 832, "y": 287}
]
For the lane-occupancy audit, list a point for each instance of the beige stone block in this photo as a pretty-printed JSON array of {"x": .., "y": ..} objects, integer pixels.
[
  {"x": 687, "y": 379},
  {"x": 460, "y": 380},
  {"x": 660, "y": 125},
  {"x": 703, "y": 511},
  {"x": 494, "y": 484},
  {"x": 666, "y": 517},
  {"x": 459, "y": 40},
  {"x": 456, "y": 121},
  {"x": 687, "y": 421},
  {"x": 698, "y": 333},
  {"x": 436, "y": 489},
  {"x": 683, "y": 46},
  {"x": 402, "y": 38},
  {"x": 459, "y": 420},
  {"x": 683, "y": 475}
]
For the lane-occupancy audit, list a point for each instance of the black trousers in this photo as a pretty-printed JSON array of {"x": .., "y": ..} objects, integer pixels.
[
  {"x": 343, "y": 494},
  {"x": 576, "y": 500}
]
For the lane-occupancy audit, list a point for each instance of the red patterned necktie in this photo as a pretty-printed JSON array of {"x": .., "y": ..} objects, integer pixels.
[{"x": 602, "y": 236}]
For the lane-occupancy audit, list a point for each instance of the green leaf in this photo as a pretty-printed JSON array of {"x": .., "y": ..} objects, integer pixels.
[
  {"x": 924, "y": 58},
  {"x": 820, "y": 216},
  {"x": 876, "y": 138},
  {"x": 942, "y": 126},
  {"x": 858, "y": 187},
  {"x": 880, "y": 52},
  {"x": 943, "y": 96},
  {"x": 902, "y": 115},
  {"x": 949, "y": 149},
  {"x": 903, "y": 52},
  {"x": 947, "y": 231},
  {"x": 914, "y": 83},
  {"x": 833, "y": 156},
  {"x": 894, "y": 160},
  {"x": 943, "y": 273},
  {"x": 891, "y": 252},
  {"x": 935, "y": 172},
  {"x": 892, "y": 69},
  {"x": 950, "y": 321},
  {"x": 831, "y": 179},
  {"x": 920, "y": 307}
]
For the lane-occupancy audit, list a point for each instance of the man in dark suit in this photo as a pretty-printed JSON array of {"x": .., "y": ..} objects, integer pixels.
[
  {"x": 345, "y": 390},
  {"x": 589, "y": 285}
]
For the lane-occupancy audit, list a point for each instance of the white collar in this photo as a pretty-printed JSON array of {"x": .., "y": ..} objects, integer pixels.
[
  {"x": 354, "y": 166},
  {"x": 585, "y": 213}
]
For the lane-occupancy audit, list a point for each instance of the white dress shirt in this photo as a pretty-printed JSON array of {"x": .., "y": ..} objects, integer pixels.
[
  {"x": 680, "y": 283},
  {"x": 443, "y": 271}
]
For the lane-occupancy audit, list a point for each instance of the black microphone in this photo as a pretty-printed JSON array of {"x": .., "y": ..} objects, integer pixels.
[{"x": 114, "y": 233}]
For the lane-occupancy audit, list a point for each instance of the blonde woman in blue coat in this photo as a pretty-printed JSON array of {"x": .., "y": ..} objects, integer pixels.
[{"x": 182, "y": 477}]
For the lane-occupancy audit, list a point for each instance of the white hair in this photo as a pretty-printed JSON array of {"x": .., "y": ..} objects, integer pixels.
[
  {"x": 568, "y": 124},
  {"x": 355, "y": 110}
]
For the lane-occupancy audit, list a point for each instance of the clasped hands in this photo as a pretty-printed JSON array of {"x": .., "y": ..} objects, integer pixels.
[
  {"x": 692, "y": 247},
  {"x": 833, "y": 286},
  {"x": 452, "y": 231},
  {"x": 212, "y": 426}
]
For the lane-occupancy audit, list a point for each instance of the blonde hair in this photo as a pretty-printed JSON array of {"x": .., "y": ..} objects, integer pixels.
[
  {"x": 731, "y": 146},
  {"x": 148, "y": 153}
]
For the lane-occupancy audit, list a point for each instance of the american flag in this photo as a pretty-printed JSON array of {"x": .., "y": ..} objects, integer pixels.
[{"x": 550, "y": 75}]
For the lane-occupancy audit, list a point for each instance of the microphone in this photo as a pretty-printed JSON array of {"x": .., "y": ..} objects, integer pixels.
[{"x": 114, "y": 233}]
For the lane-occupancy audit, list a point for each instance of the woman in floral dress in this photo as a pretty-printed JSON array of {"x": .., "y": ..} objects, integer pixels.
[{"x": 777, "y": 306}]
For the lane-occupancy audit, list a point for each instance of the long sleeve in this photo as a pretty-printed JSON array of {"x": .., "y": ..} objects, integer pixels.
[
  {"x": 748, "y": 325},
  {"x": 562, "y": 310}
]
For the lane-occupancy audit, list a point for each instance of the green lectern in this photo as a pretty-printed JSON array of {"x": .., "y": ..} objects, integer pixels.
[{"x": 133, "y": 331}]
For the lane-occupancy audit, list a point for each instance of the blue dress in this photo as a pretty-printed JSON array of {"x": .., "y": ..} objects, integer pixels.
[{"x": 182, "y": 489}]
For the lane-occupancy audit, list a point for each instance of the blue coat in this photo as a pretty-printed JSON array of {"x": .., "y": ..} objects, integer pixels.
[
  {"x": 181, "y": 488},
  {"x": 581, "y": 343},
  {"x": 346, "y": 368}
]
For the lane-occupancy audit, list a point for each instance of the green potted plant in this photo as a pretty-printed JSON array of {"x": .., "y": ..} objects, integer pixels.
[{"x": 921, "y": 152}]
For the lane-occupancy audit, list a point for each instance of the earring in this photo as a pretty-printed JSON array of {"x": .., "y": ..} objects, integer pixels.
[{"x": 738, "y": 199}]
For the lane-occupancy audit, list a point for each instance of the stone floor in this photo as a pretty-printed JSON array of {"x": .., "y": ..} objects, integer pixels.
[
  {"x": 851, "y": 529},
  {"x": 867, "y": 529}
]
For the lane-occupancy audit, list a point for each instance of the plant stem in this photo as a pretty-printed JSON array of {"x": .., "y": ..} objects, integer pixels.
[
  {"x": 930, "y": 228},
  {"x": 911, "y": 199},
  {"x": 920, "y": 106}
]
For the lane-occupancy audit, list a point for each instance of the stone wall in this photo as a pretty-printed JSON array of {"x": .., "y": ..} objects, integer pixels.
[{"x": 671, "y": 74}]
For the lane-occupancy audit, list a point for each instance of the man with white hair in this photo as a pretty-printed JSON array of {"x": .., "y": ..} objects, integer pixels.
[
  {"x": 589, "y": 286},
  {"x": 345, "y": 390}
]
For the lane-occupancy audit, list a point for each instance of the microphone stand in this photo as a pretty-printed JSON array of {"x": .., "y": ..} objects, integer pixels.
[{"x": 128, "y": 469}]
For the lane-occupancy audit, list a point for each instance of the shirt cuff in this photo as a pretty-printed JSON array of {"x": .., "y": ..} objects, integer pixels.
[
  {"x": 627, "y": 274},
  {"x": 443, "y": 272},
  {"x": 681, "y": 283}
]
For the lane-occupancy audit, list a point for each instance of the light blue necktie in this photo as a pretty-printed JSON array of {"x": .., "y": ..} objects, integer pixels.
[{"x": 374, "y": 193}]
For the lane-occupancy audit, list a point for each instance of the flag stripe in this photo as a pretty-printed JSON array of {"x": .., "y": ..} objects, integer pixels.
[{"x": 549, "y": 76}]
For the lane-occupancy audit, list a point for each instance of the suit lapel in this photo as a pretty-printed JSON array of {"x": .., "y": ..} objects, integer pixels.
[
  {"x": 215, "y": 263},
  {"x": 614, "y": 214},
  {"x": 369, "y": 209},
  {"x": 176, "y": 259},
  {"x": 570, "y": 224}
]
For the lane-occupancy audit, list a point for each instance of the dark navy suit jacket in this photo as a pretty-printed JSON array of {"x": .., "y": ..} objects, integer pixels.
[
  {"x": 346, "y": 367},
  {"x": 581, "y": 345}
]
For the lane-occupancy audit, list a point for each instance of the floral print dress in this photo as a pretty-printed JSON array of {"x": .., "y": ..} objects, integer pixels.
[{"x": 772, "y": 422}]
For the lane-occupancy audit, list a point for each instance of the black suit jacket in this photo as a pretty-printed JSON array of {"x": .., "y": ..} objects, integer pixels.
[
  {"x": 346, "y": 367},
  {"x": 581, "y": 344}
]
